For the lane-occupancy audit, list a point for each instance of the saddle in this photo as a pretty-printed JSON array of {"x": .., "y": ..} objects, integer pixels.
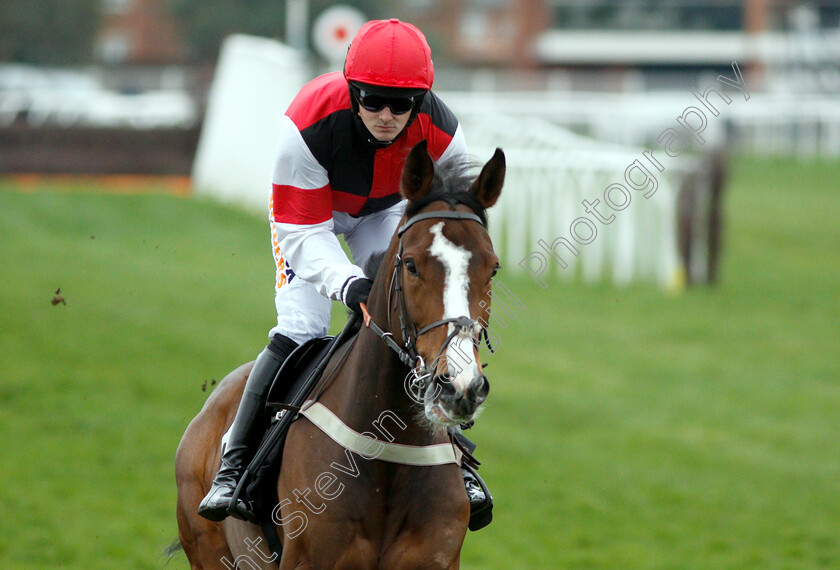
[
  {"x": 281, "y": 407},
  {"x": 305, "y": 365},
  {"x": 303, "y": 368}
]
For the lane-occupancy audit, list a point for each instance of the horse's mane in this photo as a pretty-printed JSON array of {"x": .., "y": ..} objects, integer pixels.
[
  {"x": 371, "y": 267},
  {"x": 451, "y": 185}
]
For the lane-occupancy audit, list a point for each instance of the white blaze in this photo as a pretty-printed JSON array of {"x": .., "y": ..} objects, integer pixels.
[{"x": 455, "y": 261}]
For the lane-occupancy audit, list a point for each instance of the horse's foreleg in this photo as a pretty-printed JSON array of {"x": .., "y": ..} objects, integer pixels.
[
  {"x": 436, "y": 544},
  {"x": 417, "y": 553}
]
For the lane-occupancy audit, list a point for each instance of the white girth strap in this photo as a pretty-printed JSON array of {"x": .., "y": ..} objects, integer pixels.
[{"x": 372, "y": 448}]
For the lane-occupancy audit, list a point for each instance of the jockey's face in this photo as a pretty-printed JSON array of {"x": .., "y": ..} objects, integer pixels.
[{"x": 383, "y": 124}]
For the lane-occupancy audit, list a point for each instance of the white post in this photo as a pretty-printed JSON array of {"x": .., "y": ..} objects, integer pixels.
[{"x": 255, "y": 80}]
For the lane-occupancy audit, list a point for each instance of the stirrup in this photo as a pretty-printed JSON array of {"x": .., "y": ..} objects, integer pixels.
[
  {"x": 481, "y": 511},
  {"x": 242, "y": 509},
  {"x": 241, "y": 506}
]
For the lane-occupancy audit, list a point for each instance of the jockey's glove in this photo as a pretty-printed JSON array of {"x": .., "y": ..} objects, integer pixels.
[{"x": 355, "y": 291}]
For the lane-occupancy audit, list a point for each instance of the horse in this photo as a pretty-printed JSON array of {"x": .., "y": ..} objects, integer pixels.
[{"x": 343, "y": 508}]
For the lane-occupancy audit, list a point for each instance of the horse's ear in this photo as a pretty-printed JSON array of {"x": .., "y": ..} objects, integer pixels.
[
  {"x": 418, "y": 173},
  {"x": 488, "y": 186}
]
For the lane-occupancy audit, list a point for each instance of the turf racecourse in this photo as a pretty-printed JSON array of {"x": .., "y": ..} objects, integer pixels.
[{"x": 626, "y": 428}]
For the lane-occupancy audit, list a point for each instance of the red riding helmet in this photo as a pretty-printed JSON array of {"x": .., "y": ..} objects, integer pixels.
[{"x": 390, "y": 53}]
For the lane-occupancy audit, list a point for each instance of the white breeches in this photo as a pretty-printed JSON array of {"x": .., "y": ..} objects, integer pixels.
[{"x": 302, "y": 312}]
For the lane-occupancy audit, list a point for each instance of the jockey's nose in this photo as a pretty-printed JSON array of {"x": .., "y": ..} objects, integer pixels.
[{"x": 385, "y": 114}]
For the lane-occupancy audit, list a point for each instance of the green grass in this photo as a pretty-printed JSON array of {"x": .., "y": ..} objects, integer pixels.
[{"x": 626, "y": 428}]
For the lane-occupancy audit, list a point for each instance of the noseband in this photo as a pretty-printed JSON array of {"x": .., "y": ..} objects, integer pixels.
[{"x": 408, "y": 354}]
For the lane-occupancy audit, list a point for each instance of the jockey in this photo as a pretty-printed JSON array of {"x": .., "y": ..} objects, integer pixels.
[{"x": 342, "y": 146}]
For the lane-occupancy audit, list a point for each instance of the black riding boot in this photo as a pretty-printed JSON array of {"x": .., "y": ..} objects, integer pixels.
[
  {"x": 481, "y": 503},
  {"x": 245, "y": 434}
]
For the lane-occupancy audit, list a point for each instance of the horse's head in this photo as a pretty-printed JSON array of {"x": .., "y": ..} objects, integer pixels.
[{"x": 441, "y": 283}]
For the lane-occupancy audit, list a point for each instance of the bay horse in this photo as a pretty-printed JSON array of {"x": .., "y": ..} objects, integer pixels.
[{"x": 343, "y": 508}]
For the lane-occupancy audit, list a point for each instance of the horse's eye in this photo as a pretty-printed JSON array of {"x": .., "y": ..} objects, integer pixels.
[
  {"x": 411, "y": 267},
  {"x": 495, "y": 271}
]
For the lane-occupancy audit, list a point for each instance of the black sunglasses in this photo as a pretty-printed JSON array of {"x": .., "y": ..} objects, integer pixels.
[{"x": 375, "y": 103}]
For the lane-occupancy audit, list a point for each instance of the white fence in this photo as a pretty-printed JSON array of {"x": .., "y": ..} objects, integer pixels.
[
  {"x": 551, "y": 172},
  {"x": 782, "y": 123},
  {"x": 69, "y": 98}
]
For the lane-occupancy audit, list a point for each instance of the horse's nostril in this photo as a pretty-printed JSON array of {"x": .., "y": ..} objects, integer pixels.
[
  {"x": 478, "y": 391},
  {"x": 447, "y": 391},
  {"x": 483, "y": 388}
]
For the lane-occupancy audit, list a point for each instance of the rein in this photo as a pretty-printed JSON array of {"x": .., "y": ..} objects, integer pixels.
[{"x": 408, "y": 354}]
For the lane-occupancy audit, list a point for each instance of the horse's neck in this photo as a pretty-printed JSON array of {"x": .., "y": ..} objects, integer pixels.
[
  {"x": 379, "y": 383},
  {"x": 373, "y": 385}
]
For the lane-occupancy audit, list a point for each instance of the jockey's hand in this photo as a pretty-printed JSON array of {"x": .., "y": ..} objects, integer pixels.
[{"x": 356, "y": 291}]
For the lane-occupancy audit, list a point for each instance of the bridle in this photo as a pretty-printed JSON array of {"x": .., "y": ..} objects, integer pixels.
[{"x": 410, "y": 334}]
